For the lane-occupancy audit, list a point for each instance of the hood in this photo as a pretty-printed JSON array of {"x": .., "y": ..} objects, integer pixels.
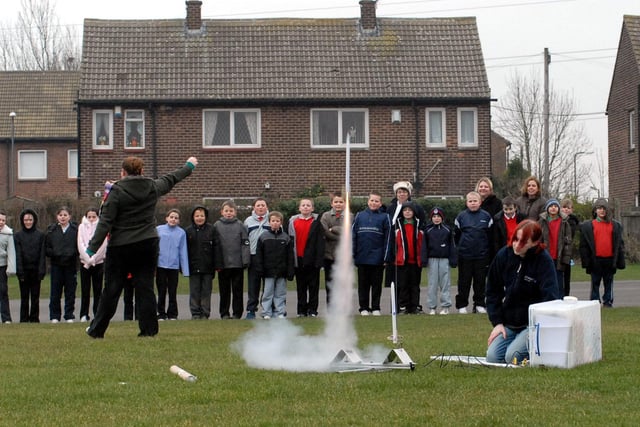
[
  {"x": 604, "y": 203},
  {"x": 206, "y": 213},
  {"x": 33, "y": 214},
  {"x": 137, "y": 187}
]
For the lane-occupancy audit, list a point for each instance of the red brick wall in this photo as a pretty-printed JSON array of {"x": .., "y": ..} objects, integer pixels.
[
  {"x": 57, "y": 182},
  {"x": 623, "y": 162},
  {"x": 285, "y": 159}
]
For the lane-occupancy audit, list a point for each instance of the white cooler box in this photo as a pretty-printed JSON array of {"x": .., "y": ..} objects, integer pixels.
[{"x": 564, "y": 333}]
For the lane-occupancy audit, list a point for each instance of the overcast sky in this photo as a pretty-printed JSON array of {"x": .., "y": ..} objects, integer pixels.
[{"x": 582, "y": 35}]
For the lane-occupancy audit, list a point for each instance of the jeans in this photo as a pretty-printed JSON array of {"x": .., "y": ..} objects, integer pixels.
[
  {"x": 63, "y": 278},
  {"x": 504, "y": 350},
  {"x": 274, "y": 298},
  {"x": 438, "y": 274},
  {"x": 200, "y": 286}
]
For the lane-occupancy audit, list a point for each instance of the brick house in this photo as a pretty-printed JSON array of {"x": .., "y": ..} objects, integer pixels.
[
  {"x": 44, "y": 159},
  {"x": 622, "y": 110},
  {"x": 266, "y": 104}
]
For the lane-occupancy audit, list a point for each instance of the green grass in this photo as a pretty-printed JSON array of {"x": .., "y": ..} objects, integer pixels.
[
  {"x": 56, "y": 375},
  {"x": 632, "y": 272}
]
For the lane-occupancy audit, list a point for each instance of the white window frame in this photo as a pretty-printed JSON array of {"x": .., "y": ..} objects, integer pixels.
[
  {"x": 633, "y": 123},
  {"x": 72, "y": 164},
  {"x": 342, "y": 141},
  {"x": 232, "y": 114},
  {"x": 443, "y": 126},
  {"x": 140, "y": 121},
  {"x": 30, "y": 157},
  {"x": 97, "y": 132},
  {"x": 468, "y": 144}
]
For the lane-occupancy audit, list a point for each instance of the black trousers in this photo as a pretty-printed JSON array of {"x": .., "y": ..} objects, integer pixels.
[
  {"x": 90, "y": 279},
  {"x": 231, "y": 283},
  {"x": 370, "y": 282},
  {"x": 167, "y": 283},
  {"x": 30, "y": 297},
  {"x": 253, "y": 286},
  {"x": 471, "y": 270},
  {"x": 308, "y": 288},
  {"x": 140, "y": 259}
]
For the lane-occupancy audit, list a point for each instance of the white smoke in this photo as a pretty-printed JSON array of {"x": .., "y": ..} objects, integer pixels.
[{"x": 280, "y": 345}]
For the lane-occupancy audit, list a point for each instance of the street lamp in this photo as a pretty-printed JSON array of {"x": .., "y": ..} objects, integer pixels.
[
  {"x": 575, "y": 174},
  {"x": 12, "y": 115}
]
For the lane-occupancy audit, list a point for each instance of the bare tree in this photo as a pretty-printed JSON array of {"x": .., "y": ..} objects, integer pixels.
[
  {"x": 37, "y": 41},
  {"x": 600, "y": 175},
  {"x": 519, "y": 118}
]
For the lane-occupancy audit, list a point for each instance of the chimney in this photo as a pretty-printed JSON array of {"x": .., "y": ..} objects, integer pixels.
[
  {"x": 368, "y": 15},
  {"x": 194, "y": 19}
]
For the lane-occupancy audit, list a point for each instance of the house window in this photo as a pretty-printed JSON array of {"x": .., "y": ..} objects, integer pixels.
[
  {"x": 231, "y": 128},
  {"x": 467, "y": 127},
  {"x": 32, "y": 165},
  {"x": 134, "y": 128},
  {"x": 329, "y": 128},
  {"x": 436, "y": 129},
  {"x": 633, "y": 132},
  {"x": 72, "y": 164},
  {"x": 103, "y": 129}
]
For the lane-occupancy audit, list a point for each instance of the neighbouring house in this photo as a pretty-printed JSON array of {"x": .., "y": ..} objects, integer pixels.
[
  {"x": 624, "y": 141},
  {"x": 39, "y": 134},
  {"x": 499, "y": 153},
  {"x": 268, "y": 105}
]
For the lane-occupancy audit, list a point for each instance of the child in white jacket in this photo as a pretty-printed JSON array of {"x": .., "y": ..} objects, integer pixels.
[
  {"x": 7, "y": 265},
  {"x": 92, "y": 271}
]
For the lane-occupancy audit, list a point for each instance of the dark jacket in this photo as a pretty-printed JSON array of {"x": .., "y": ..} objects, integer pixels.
[
  {"x": 370, "y": 237},
  {"x": 531, "y": 208},
  {"x": 274, "y": 255},
  {"x": 399, "y": 243},
  {"x": 472, "y": 234},
  {"x": 492, "y": 204},
  {"x": 200, "y": 245},
  {"x": 514, "y": 283},
  {"x": 62, "y": 248},
  {"x": 499, "y": 231},
  {"x": 314, "y": 249},
  {"x": 588, "y": 250},
  {"x": 439, "y": 243},
  {"x": 29, "y": 244},
  {"x": 565, "y": 240},
  {"x": 419, "y": 211},
  {"x": 231, "y": 244},
  {"x": 128, "y": 213}
]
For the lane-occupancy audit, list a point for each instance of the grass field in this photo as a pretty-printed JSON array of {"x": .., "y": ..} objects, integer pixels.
[{"x": 56, "y": 375}]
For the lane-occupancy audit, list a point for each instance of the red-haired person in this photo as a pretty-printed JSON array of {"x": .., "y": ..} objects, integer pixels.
[{"x": 519, "y": 276}]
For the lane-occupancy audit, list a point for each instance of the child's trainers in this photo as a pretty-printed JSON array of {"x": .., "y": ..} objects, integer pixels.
[
  {"x": 432, "y": 312},
  {"x": 444, "y": 311},
  {"x": 462, "y": 310}
]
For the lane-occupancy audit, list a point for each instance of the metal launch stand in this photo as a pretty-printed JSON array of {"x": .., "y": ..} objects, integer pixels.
[{"x": 349, "y": 360}]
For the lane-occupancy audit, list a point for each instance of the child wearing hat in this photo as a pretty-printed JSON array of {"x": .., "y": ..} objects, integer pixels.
[
  {"x": 602, "y": 250},
  {"x": 405, "y": 255},
  {"x": 440, "y": 257},
  {"x": 556, "y": 234}
]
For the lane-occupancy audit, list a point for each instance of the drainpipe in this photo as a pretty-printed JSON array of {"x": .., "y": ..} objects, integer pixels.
[
  {"x": 78, "y": 133},
  {"x": 154, "y": 145},
  {"x": 417, "y": 184}
]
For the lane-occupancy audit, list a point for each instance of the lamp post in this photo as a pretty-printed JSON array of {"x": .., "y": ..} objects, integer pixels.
[
  {"x": 575, "y": 174},
  {"x": 12, "y": 115}
]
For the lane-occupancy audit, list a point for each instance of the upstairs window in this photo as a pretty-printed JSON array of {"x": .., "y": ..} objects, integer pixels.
[
  {"x": 436, "y": 128},
  {"x": 231, "y": 128},
  {"x": 134, "y": 129},
  {"x": 329, "y": 128},
  {"x": 102, "y": 129},
  {"x": 467, "y": 127}
]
